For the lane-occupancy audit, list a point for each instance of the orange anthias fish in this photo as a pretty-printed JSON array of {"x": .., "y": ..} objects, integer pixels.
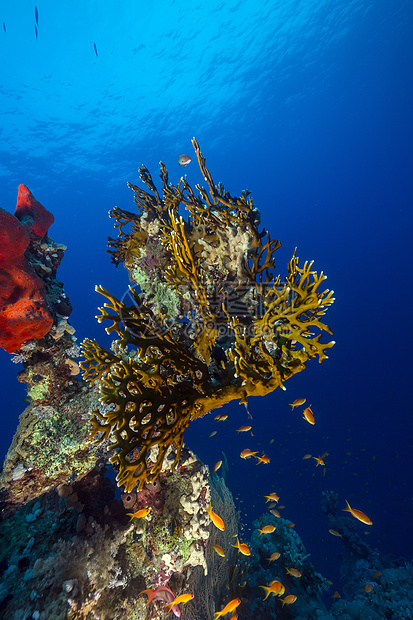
[
  {"x": 297, "y": 403},
  {"x": 216, "y": 520},
  {"x": 274, "y": 556},
  {"x": 242, "y": 548},
  {"x": 334, "y": 533},
  {"x": 357, "y": 514},
  {"x": 263, "y": 459},
  {"x": 289, "y": 600},
  {"x": 368, "y": 588},
  {"x": 213, "y": 433},
  {"x": 221, "y": 418},
  {"x": 290, "y": 525},
  {"x": 218, "y": 549},
  {"x": 319, "y": 460},
  {"x": 164, "y": 594},
  {"x": 275, "y": 588},
  {"x": 306, "y": 456},
  {"x": 244, "y": 429},
  {"x": 275, "y": 513},
  {"x": 217, "y": 466},
  {"x": 139, "y": 514},
  {"x": 184, "y": 160},
  {"x": 267, "y": 529},
  {"x": 181, "y": 599},
  {"x": 231, "y": 606},
  {"x": 293, "y": 572},
  {"x": 335, "y": 595},
  {"x": 308, "y": 415},
  {"x": 247, "y": 454},
  {"x": 272, "y": 497}
]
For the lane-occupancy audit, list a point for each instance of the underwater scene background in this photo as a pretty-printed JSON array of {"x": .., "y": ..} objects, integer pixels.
[{"x": 309, "y": 106}]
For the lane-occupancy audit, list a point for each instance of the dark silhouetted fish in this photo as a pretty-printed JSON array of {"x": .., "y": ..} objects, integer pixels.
[
  {"x": 96, "y": 50},
  {"x": 4, "y": 27},
  {"x": 35, "y": 30},
  {"x": 36, "y": 16}
]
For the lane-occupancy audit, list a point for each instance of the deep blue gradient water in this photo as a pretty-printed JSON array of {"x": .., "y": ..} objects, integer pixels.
[{"x": 309, "y": 105}]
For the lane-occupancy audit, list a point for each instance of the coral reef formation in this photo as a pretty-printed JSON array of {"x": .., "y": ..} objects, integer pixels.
[
  {"x": 74, "y": 553},
  {"x": 34, "y": 325},
  {"x": 25, "y": 313},
  {"x": 373, "y": 585},
  {"x": 211, "y": 324}
]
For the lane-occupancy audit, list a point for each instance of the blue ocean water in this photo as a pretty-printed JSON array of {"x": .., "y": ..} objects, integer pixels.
[{"x": 308, "y": 104}]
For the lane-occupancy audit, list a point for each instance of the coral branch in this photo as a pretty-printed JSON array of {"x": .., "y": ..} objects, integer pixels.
[{"x": 210, "y": 324}]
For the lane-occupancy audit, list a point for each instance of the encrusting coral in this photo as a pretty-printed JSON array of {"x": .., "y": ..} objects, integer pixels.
[{"x": 211, "y": 322}]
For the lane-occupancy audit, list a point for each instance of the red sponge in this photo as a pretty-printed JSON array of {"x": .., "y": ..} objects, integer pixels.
[
  {"x": 24, "y": 313},
  {"x": 31, "y": 213}
]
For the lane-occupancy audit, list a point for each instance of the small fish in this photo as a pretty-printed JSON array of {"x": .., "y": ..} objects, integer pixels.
[
  {"x": 357, "y": 514},
  {"x": 213, "y": 433},
  {"x": 293, "y": 572},
  {"x": 231, "y": 606},
  {"x": 96, "y": 50},
  {"x": 246, "y": 454},
  {"x": 4, "y": 26},
  {"x": 319, "y": 460},
  {"x": 267, "y": 529},
  {"x": 243, "y": 429},
  {"x": 181, "y": 599},
  {"x": 221, "y": 418},
  {"x": 334, "y": 533},
  {"x": 217, "y": 466},
  {"x": 275, "y": 588},
  {"x": 289, "y": 600},
  {"x": 36, "y": 15},
  {"x": 139, "y": 514},
  {"x": 328, "y": 582},
  {"x": 35, "y": 31},
  {"x": 218, "y": 549},
  {"x": 216, "y": 520},
  {"x": 297, "y": 403},
  {"x": 368, "y": 588},
  {"x": 184, "y": 160},
  {"x": 306, "y": 456},
  {"x": 247, "y": 409},
  {"x": 275, "y": 513},
  {"x": 162, "y": 593},
  {"x": 335, "y": 595},
  {"x": 274, "y": 556},
  {"x": 377, "y": 574},
  {"x": 281, "y": 507},
  {"x": 290, "y": 525},
  {"x": 264, "y": 458},
  {"x": 242, "y": 548},
  {"x": 308, "y": 415},
  {"x": 272, "y": 497}
]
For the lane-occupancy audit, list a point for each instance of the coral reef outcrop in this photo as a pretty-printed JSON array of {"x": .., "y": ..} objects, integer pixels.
[{"x": 74, "y": 553}]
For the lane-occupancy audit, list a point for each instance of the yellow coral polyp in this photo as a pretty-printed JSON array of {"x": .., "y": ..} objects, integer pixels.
[{"x": 234, "y": 330}]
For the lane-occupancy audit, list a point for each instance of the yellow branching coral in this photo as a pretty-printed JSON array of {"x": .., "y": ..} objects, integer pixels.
[{"x": 211, "y": 323}]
